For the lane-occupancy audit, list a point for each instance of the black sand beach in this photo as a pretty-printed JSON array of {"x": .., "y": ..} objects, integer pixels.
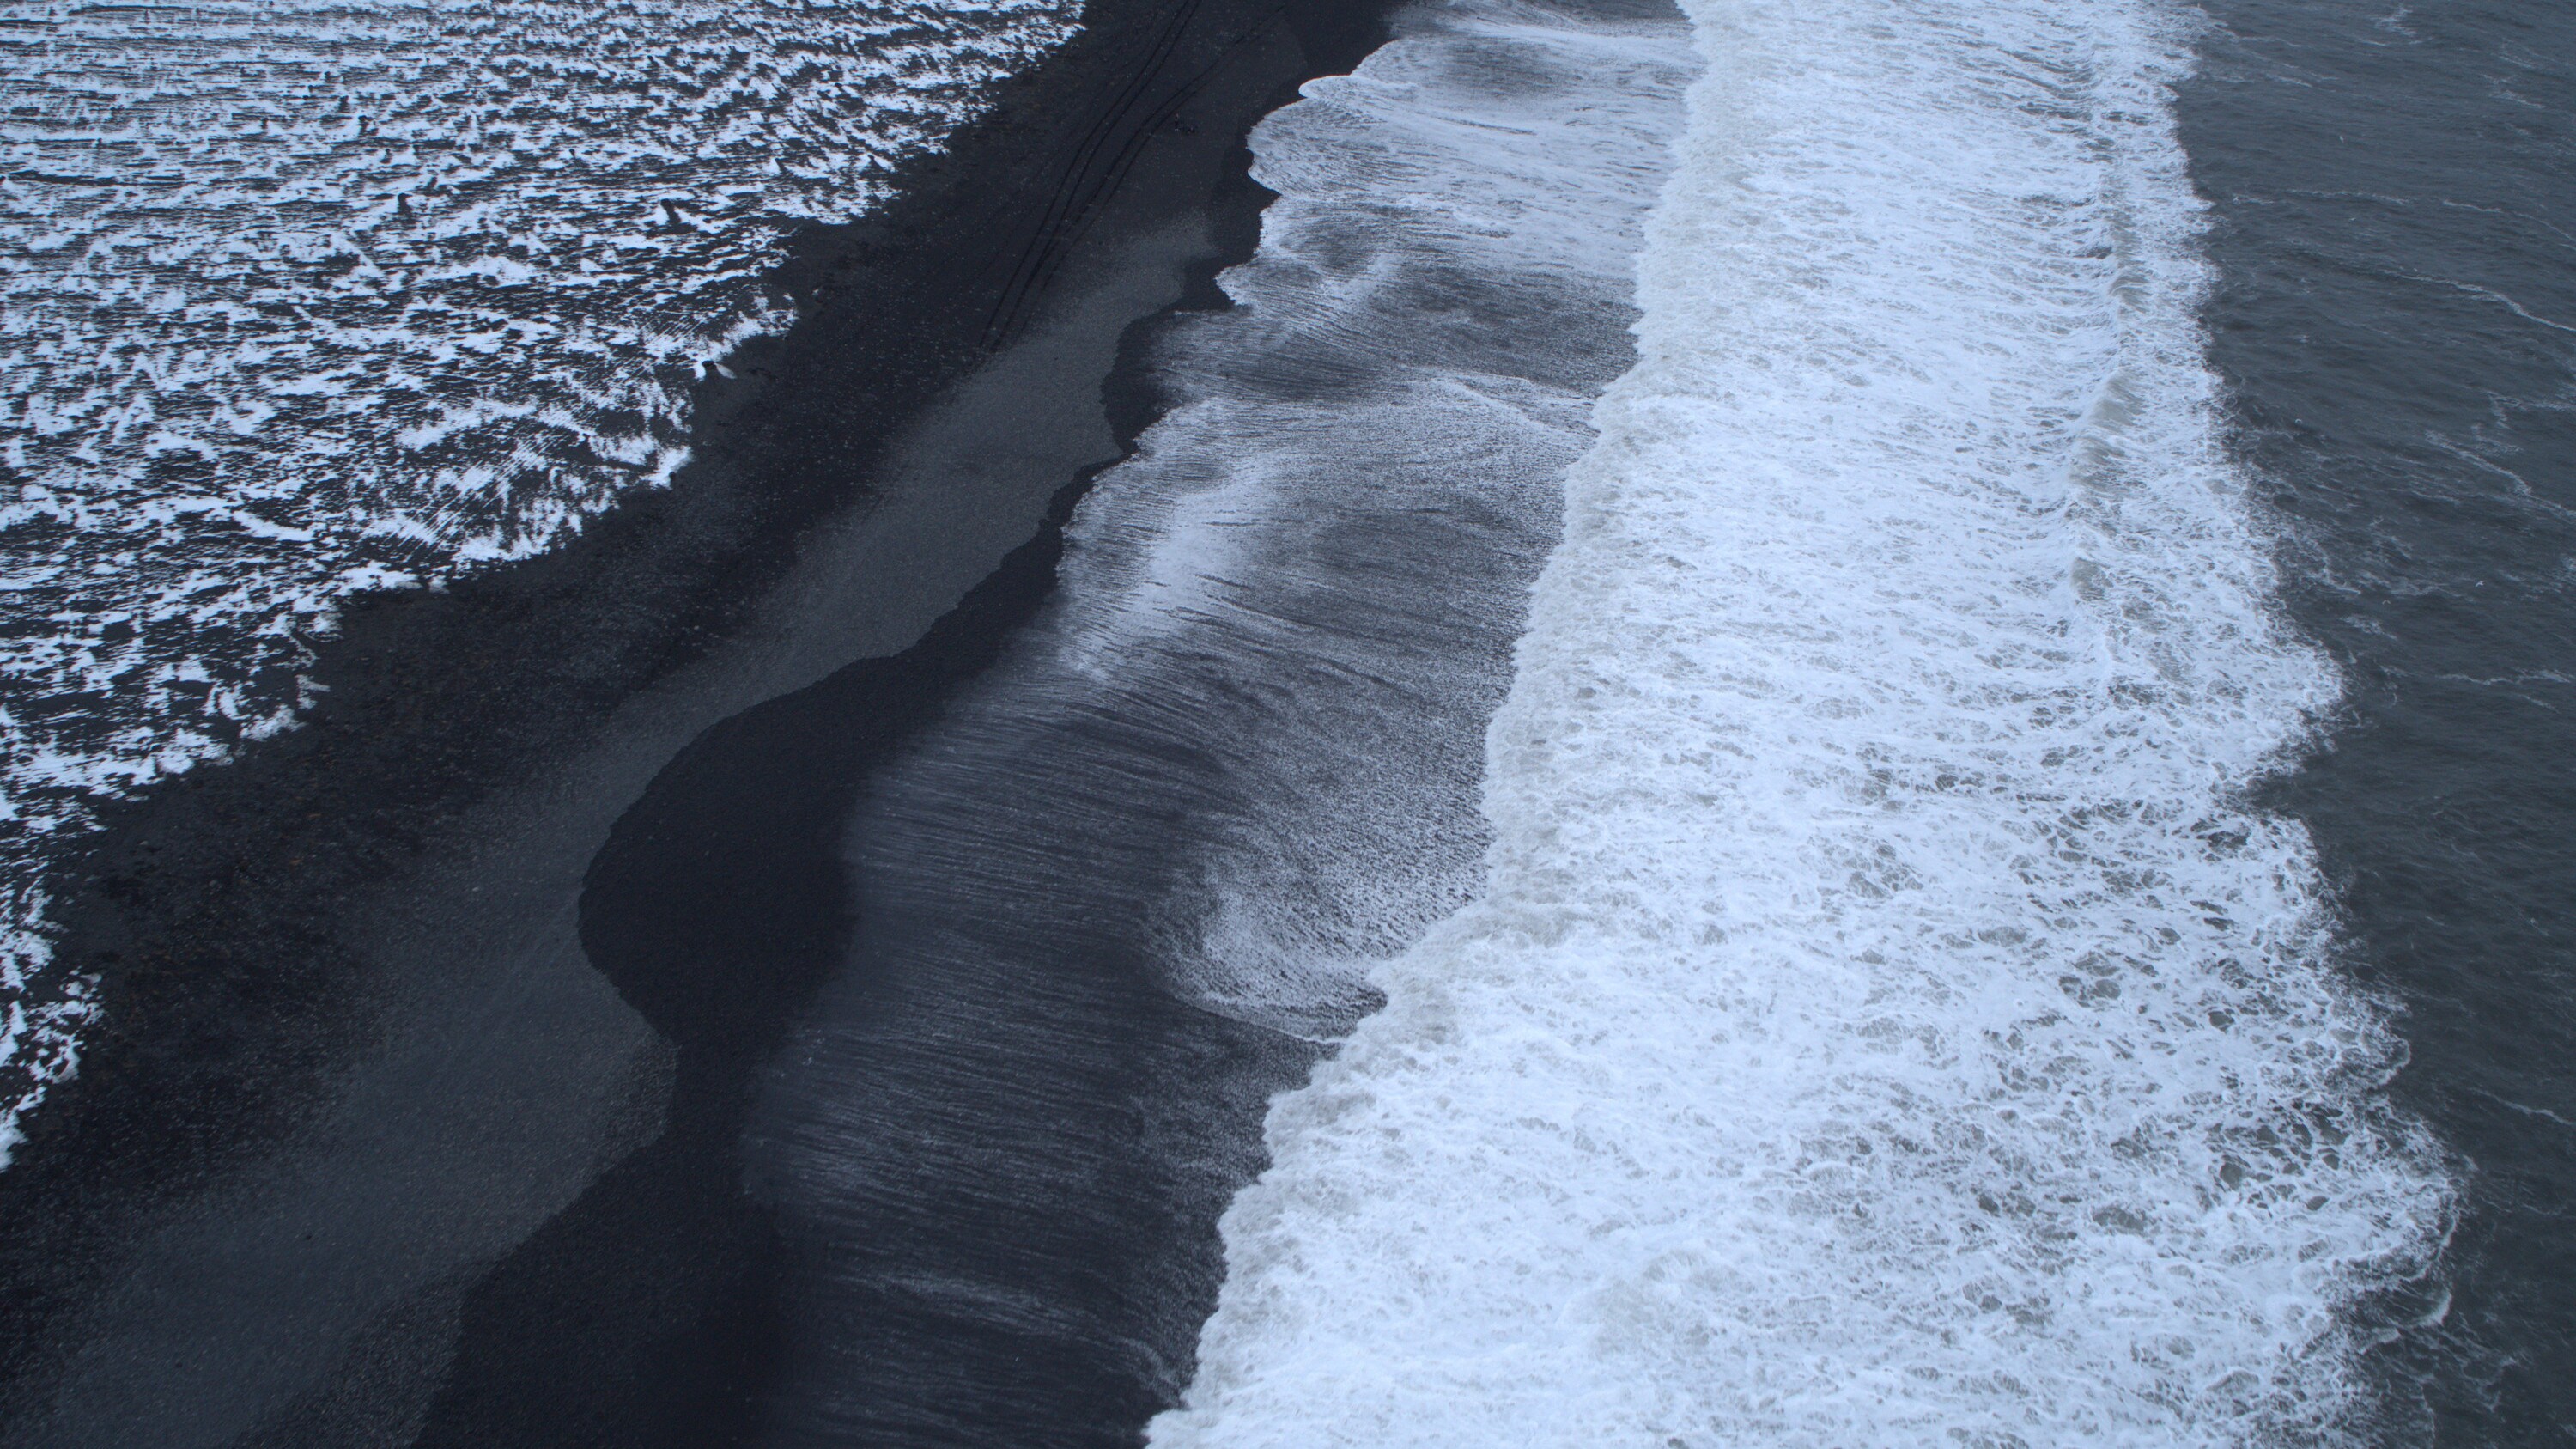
[{"x": 415, "y": 1109}]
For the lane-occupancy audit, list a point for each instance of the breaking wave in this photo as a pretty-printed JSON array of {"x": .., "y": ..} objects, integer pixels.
[{"x": 1884, "y": 1018}]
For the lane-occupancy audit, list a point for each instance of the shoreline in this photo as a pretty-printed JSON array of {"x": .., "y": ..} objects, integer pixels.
[{"x": 343, "y": 1003}]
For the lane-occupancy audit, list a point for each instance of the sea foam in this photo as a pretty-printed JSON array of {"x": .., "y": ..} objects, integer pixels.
[{"x": 1885, "y": 1019}]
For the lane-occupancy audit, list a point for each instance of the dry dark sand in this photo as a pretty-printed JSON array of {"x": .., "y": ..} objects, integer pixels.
[{"x": 414, "y": 1117}]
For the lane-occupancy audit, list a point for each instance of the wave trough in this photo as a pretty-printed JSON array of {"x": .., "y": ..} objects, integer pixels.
[{"x": 1885, "y": 1018}]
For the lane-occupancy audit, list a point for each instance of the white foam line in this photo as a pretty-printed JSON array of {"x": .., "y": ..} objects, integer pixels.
[{"x": 1885, "y": 1020}]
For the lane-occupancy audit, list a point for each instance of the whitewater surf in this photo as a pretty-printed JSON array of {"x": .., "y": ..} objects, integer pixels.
[{"x": 1883, "y": 1019}]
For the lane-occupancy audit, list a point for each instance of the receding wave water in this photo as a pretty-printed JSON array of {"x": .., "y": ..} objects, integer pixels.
[
  {"x": 1111, "y": 901},
  {"x": 1884, "y": 1018},
  {"x": 303, "y": 298}
]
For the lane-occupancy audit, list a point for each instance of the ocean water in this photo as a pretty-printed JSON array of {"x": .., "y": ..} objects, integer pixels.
[
  {"x": 1896, "y": 1008},
  {"x": 1133, "y": 879},
  {"x": 2394, "y": 226},
  {"x": 298, "y": 299}
]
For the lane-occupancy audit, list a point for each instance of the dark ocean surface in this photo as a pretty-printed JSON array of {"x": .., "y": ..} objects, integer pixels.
[{"x": 2395, "y": 193}]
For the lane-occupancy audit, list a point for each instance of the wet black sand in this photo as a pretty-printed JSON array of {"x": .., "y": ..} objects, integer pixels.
[{"x": 414, "y": 1114}]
